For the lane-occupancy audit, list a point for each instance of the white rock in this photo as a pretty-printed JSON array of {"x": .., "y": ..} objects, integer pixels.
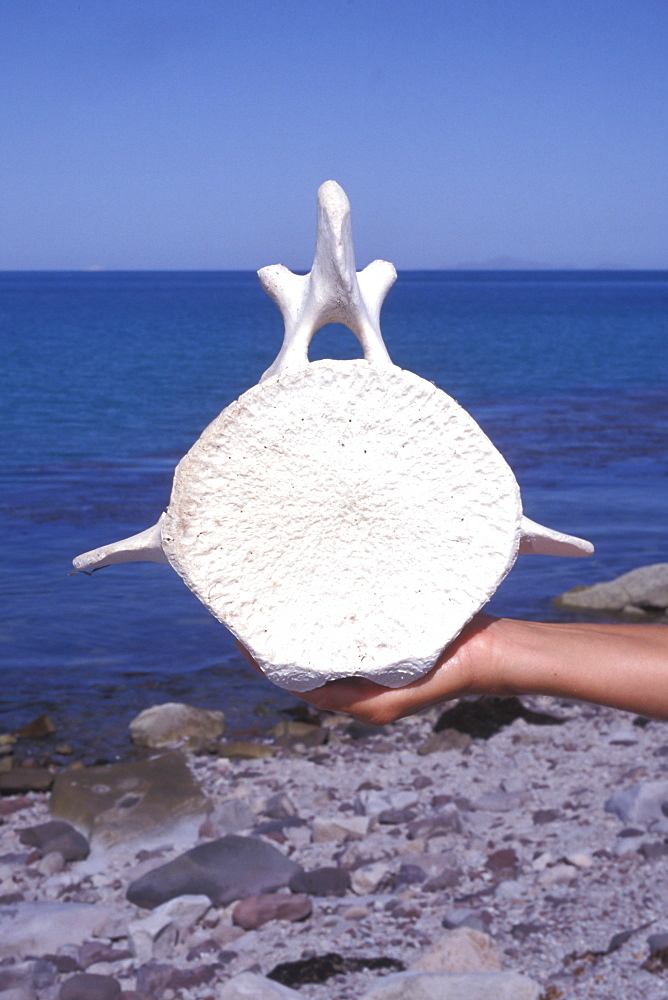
[
  {"x": 372, "y": 801},
  {"x": 176, "y": 725},
  {"x": 342, "y": 518},
  {"x": 460, "y": 950},
  {"x": 444, "y": 986},
  {"x": 249, "y": 986},
  {"x": 155, "y": 936},
  {"x": 39, "y": 928},
  {"x": 368, "y": 877}
]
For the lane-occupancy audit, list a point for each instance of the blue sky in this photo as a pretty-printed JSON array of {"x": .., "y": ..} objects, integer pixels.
[{"x": 194, "y": 134}]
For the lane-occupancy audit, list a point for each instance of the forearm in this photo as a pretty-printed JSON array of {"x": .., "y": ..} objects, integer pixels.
[{"x": 624, "y": 666}]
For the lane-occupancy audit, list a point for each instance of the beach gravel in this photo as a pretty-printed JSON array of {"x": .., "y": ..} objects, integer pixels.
[{"x": 527, "y": 861}]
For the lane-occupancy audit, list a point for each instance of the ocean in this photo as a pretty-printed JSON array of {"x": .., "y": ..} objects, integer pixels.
[{"x": 108, "y": 378}]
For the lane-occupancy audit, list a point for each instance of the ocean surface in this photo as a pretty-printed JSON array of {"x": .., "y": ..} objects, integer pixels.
[{"x": 108, "y": 378}]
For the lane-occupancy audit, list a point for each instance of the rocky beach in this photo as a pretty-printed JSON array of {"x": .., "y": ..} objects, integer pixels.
[{"x": 496, "y": 849}]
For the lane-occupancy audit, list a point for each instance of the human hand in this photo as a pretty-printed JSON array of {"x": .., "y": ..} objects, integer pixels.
[{"x": 457, "y": 672}]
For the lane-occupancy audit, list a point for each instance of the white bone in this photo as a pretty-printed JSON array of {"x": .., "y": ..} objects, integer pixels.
[
  {"x": 541, "y": 541},
  {"x": 333, "y": 292},
  {"x": 341, "y": 518},
  {"x": 144, "y": 547}
]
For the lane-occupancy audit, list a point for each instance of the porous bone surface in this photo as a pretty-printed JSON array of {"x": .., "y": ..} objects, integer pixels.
[{"x": 343, "y": 521}]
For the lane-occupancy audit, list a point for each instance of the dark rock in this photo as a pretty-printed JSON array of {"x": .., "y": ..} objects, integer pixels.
[
  {"x": 88, "y": 986},
  {"x": 477, "y": 920},
  {"x": 447, "y": 879},
  {"x": 542, "y": 816},
  {"x": 278, "y": 825},
  {"x": 63, "y": 963},
  {"x": 152, "y": 979},
  {"x": 445, "y": 739},
  {"x": 254, "y": 911},
  {"x": 482, "y": 718},
  {"x": 360, "y": 731},
  {"x": 653, "y": 851},
  {"x": 57, "y": 835},
  {"x": 320, "y": 968},
  {"x": 657, "y": 942},
  {"x": 408, "y": 874},
  {"x": 226, "y": 869},
  {"x": 36, "y": 729},
  {"x": 91, "y": 952},
  {"x": 395, "y": 816},
  {"x": 504, "y": 861},
  {"x": 188, "y": 979},
  {"x": 524, "y": 930},
  {"x": 321, "y": 882},
  {"x": 26, "y": 779},
  {"x": 446, "y": 821},
  {"x": 422, "y": 781}
]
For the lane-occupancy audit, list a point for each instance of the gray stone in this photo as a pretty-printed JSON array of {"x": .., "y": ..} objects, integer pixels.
[
  {"x": 148, "y": 802},
  {"x": 446, "y": 739},
  {"x": 59, "y": 836},
  {"x": 321, "y": 882},
  {"x": 88, "y": 986},
  {"x": 640, "y": 589},
  {"x": 155, "y": 936},
  {"x": 38, "y": 928},
  {"x": 254, "y": 911},
  {"x": 230, "y": 868},
  {"x": 454, "y": 986},
  {"x": 445, "y": 821},
  {"x": 642, "y": 803},
  {"x": 501, "y": 801},
  {"x": 177, "y": 725},
  {"x": 250, "y": 986}
]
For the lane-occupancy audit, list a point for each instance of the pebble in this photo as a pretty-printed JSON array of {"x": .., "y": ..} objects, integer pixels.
[{"x": 546, "y": 840}]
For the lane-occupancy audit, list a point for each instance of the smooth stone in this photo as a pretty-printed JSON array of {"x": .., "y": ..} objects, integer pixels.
[
  {"x": 88, "y": 986},
  {"x": 26, "y": 779},
  {"x": 227, "y": 869},
  {"x": 147, "y": 802},
  {"x": 37, "y": 928},
  {"x": 642, "y": 588},
  {"x": 501, "y": 801},
  {"x": 460, "y": 950},
  {"x": 448, "y": 878},
  {"x": 254, "y": 911},
  {"x": 321, "y": 882},
  {"x": 454, "y": 986},
  {"x": 250, "y": 986},
  {"x": 642, "y": 803},
  {"x": 56, "y": 835},
  {"x": 176, "y": 725},
  {"x": 335, "y": 829},
  {"x": 446, "y": 739},
  {"x": 36, "y": 729}
]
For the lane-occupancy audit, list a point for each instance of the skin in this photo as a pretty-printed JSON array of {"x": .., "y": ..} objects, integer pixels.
[{"x": 623, "y": 666}]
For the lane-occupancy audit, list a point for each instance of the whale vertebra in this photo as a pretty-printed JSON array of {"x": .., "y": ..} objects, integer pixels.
[{"x": 341, "y": 518}]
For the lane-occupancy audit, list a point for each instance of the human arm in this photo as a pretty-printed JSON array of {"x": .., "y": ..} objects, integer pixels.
[{"x": 623, "y": 666}]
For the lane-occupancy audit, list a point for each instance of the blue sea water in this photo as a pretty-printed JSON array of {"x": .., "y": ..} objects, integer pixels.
[{"x": 108, "y": 378}]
